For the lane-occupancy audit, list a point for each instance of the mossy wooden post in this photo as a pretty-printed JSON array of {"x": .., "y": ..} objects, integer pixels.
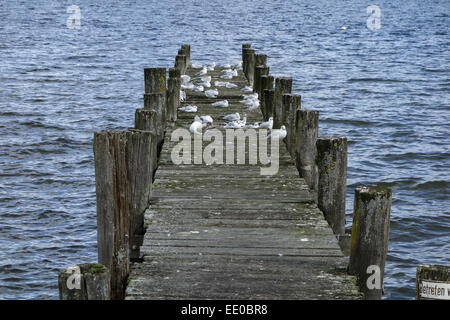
[
  {"x": 123, "y": 176},
  {"x": 266, "y": 83},
  {"x": 268, "y": 97},
  {"x": 259, "y": 71},
  {"x": 331, "y": 162},
  {"x": 187, "y": 51},
  {"x": 244, "y": 46},
  {"x": 145, "y": 120},
  {"x": 249, "y": 63},
  {"x": 260, "y": 59},
  {"x": 180, "y": 63},
  {"x": 433, "y": 282},
  {"x": 88, "y": 281},
  {"x": 173, "y": 96},
  {"x": 282, "y": 85},
  {"x": 182, "y": 52},
  {"x": 157, "y": 103},
  {"x": 306, "y": 131},
  {"x": 290, "y": 104},
  {"x": 369, "y": 240},
  {"x": 155, "y": 80}
]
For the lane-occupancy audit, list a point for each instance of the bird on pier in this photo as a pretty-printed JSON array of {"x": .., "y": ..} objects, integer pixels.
[
  {"x": 206, "y": 119},
  {"x": 198, "y": 89},
  {"x": 223, "y": 104},
  {"x": 202, "y": 72},
  {"x": 232, "y": 117},
  {"x": 267, "y": 124},
  {"x": 182, "y": 96},
  {"x": 212, "y": 93},
  {"x": 278, "y": 134},
  {"x": 196, "y": 126},
  {"x": 188, "y": 108},
  {"x": 185, "y": 79},
  {"x": 247, "y": 89}
]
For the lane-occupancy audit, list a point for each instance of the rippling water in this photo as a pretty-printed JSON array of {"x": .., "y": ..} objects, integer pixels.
[{"x": 386, "y": 90}]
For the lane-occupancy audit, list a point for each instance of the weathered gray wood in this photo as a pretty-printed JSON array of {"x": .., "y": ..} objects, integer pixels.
[
  {"x": 370, "y": 234},
  {"x": 260, "y": 59},
  {"x": 282, "y": 86},
  {"x": 89, "y": 281},
  {"x": 249, "y": 63},
  {"x": 268, "y": 98},
  {"x": 244, "y": 46},
  {"x": 331, "y": 160},
  {"x": 123, "y": 175},
  {"x": 173, "y": 98},
  {"x": 433, "y": 282},
  {"x": 180, "y": 63},
  {"x": 157, "y": 103},
  {"x": 155, "y": 80},
  {"x": 289, "y": 105},
  {"x": 306, "y": 133},
  {"x": 266, "y": 83},
  {"x": 187, "y": 51},
  {"x": 260, "y": 70}
]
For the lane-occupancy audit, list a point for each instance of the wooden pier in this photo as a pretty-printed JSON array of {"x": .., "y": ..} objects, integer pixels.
[
  {"x": 263, "y": 222},
  {"x": 227, "y": 232}
]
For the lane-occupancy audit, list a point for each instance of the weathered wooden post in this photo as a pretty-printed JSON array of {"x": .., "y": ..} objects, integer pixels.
[
  {"x": 266, "y": 83},
  {"x": 433, "y": 282},
  {"x": 331, "y": 162},
  {"x": 249, "y": 63},
  {"x": 145, "y": 120},
  {"x": 123, "y": 176},
  {"x": 244, "y": 46},
  {"x": 282, "y": 85},
  {"x": 155, "y": 80},
  {"x": 173, "y": 95},
  {"x": 259, "y": 71},
  {"x": 269, "y": 101},
  {"x": 369, "y": 240},
  {"x": 157, "y": 103},
  {"x": 187, "y": 51},
  {"x": 289, "y": 106},
  {"x": 306, "y": 131},
  {"x": 88, "y": 281},
  {"x": 180, "y": 63},
  {"x": 260, "y": 59}
]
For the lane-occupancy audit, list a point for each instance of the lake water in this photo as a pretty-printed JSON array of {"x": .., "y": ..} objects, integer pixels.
[{"x": 387, "y": 90}]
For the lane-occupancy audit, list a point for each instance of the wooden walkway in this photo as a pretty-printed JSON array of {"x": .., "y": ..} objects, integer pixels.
[{"x": 226, "y": 232}]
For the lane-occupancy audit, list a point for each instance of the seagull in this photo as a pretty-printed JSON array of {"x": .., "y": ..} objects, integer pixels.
[
  {"x": 232, "y": 117},
  {"x": 185, "y": 79},
  {"x": 196, "y": 126},
  {"x": 206, "y": 119},
  {"x": 267, "y": 124},
  {"x": 220, "y": 83},
  {"x": 212, "y": 93},
  {"x": 182, "y": 96},
  {"x": 188, "y": 108},
  {"x": 231, "y": 85},
  {"x": 196, "y": 66},
  {"x": 238, "y": 65},
  {"x": 238, "y": 124},
  {"x": 198, "y": 89},
  {"x": 188, "y": 86},
  {"x": 279, "y": 134},
  {"x": 223, "y": 104},
  {"x": 227, "y": 66},
  {"x": 202, "y": 72},
  {"x": 247, "y": 89},
  {"x": 252, "y": 126},
  {"x": 343, "y": 28},
  {"x": 210, "y": 66}
]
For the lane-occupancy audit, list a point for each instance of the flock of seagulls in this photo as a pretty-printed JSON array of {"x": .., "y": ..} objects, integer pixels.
[{"x": 232, "y": 121}]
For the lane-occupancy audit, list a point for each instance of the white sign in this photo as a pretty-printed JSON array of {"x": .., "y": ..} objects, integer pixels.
[{"x": 434, "y": 290}]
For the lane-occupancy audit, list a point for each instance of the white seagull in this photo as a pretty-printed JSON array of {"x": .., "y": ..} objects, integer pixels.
[
  {"x": 202, "y": 72},
  {"x": 247, "y": 89},
  {"x": 196, "y": 126},
  {"x": 279, "y": 134},
  {"x": 188, "y": 108},
  {"x": 267, "y": 124},
  {"x": 212, "y": 93},
  {"x": 232, "y": 117},
  {"x": 223, "y": 104}
]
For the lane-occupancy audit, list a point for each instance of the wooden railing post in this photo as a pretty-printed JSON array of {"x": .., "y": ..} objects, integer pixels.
[
  {"x": 173, "y": 95},
  {"x": 180, "y": 63},
  {"x": 332, "y": 167},
  {"x": 187, "y": 51},
  {"x": 266, "y": 83},
  {"x": 244, "y": 46},
  {"x": 249, "y": 63},
  {"x": 369, "y": 239},
  {"x": 433, "y": 282},
  {"x": 290, "y": 104},
  {"x": 269, "y": 101},
  {"x": 306, "y": 133},
  {"x": 155, "y": 80},
  {"x": 259, "y": 71},
  {"x": 260, "y": 59},
  {"x": 88, "y": 281},
  {"x": 123, "y": 175},
  {"x": 282, "y": 85}
]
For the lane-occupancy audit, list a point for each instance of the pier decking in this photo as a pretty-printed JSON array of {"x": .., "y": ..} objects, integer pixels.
[{"x": 228, "y": 232}]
